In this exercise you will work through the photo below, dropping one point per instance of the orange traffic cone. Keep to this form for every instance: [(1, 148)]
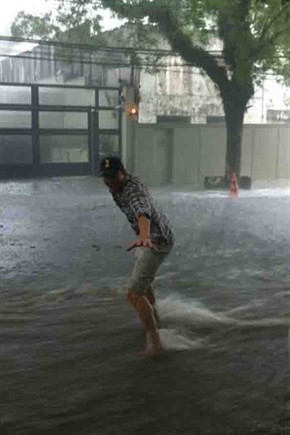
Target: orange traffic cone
[(234, 189)]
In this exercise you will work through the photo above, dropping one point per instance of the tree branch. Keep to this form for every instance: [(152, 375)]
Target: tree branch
[(271, 40), (268, 26), (233, 27), (244, 7), (179, 41), (196, 56), (276, 36)]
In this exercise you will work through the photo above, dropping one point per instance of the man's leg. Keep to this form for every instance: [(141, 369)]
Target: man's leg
[(147, 263), (146, 314), (151, 298)]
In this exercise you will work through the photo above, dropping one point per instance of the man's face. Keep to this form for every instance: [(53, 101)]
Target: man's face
[(115, 184)]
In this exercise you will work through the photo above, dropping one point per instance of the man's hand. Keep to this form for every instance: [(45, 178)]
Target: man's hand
[(144, 234), (141, 243)]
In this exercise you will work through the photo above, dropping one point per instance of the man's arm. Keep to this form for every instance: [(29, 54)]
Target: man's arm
[(141, 208), (144, 227), (144, 234)]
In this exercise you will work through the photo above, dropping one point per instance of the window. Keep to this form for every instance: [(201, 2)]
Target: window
[(15, 149), (64, 148)]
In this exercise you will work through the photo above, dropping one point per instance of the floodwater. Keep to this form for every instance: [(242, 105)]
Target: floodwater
[(70, 345)]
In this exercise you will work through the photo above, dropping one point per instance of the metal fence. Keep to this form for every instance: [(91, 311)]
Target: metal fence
[(57, 130)]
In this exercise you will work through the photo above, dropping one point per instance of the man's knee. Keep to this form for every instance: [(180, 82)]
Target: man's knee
[(133, 298), (150, 295)]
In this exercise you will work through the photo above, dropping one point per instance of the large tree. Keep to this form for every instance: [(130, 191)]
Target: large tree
[(255, 37)]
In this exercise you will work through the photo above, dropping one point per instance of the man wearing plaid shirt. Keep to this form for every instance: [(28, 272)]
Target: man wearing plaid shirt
[(155, 241)]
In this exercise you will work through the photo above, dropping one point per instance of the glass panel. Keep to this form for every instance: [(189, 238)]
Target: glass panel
[(109, 120), (66, 97), (108, 98), (109, 145), (70, 120), (15, 119), (15, 95), (113, 77), (15, 149), (64, 149)]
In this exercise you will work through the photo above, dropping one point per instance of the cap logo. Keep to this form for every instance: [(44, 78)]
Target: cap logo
[(107, 164)]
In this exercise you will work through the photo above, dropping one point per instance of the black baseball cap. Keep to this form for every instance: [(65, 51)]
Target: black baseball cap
[(110, 166)]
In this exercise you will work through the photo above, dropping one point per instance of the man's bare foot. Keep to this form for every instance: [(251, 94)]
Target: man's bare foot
[(152, 351), (153, 346)]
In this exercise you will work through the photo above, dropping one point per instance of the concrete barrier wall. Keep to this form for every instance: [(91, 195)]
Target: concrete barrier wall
[(184, 155)]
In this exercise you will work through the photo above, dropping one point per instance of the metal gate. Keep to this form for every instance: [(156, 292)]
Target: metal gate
[(55, 130)]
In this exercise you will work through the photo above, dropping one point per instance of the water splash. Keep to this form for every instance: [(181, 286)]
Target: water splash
[(172, 339), (179, 311), (189, 312)]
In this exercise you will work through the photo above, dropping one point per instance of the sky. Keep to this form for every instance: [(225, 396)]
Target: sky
[(12, 7)]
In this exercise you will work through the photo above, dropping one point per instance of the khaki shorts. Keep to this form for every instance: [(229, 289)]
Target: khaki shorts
[(146, 266)]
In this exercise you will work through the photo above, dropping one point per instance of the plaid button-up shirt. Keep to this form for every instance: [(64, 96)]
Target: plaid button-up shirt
[(135, 201)]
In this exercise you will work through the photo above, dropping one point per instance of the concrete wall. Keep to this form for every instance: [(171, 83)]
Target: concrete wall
[(152, 155), (184, 155)]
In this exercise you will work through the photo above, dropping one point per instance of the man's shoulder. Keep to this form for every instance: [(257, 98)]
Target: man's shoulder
[(133, 179), (134, 183)]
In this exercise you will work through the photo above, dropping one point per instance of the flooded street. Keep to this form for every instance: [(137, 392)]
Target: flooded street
[(70, 345)]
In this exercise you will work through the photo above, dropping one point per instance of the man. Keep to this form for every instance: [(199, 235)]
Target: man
[(155, 241)]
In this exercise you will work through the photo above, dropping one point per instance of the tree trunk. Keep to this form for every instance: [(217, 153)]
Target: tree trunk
[(234, 112), (235, 98), (234, 125)]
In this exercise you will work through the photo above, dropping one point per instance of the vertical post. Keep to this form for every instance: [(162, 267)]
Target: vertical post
[(35, 127), (91, 69), (130, 130), (91, 139), (278, 152), (134, 144), (96, 136), (253, 151), (120, 122), (199, 169), (263, 101), (170, 157), (125, 145)]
